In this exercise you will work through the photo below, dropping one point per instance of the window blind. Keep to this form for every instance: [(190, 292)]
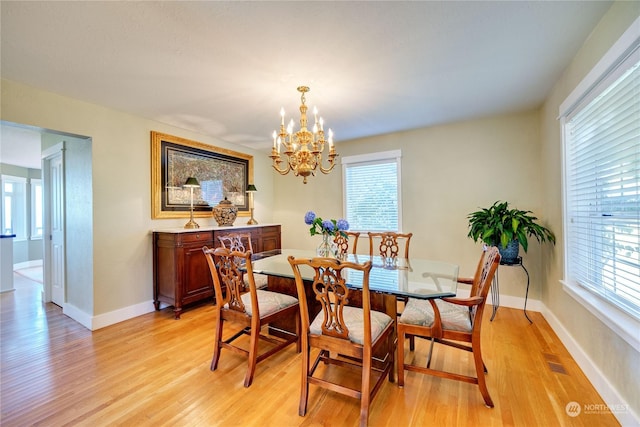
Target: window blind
[(602, 140), (372, 194)]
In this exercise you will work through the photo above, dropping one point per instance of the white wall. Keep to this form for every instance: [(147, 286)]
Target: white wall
[(448, 171), (610, 362), (121, 194)]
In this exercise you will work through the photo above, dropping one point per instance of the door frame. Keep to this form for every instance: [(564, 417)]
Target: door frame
[(47, 155)]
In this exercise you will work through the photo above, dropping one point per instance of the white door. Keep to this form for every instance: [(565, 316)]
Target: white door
[(54, 207)]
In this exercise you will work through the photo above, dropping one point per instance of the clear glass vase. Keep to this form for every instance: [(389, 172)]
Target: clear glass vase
[(327, 248)]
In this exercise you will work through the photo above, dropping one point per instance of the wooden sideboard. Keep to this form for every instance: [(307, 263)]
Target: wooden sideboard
[(180, 272)]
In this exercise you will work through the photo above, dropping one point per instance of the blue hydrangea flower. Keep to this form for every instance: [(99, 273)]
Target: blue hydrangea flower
[(342, 224), (309, 217), (327, 225)]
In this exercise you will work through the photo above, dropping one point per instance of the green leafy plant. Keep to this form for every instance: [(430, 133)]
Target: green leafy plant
[(499, 225)]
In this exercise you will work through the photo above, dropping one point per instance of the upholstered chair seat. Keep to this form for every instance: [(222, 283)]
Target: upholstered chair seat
[(420, 312), (268, 302), (354, 319), (262, 280)]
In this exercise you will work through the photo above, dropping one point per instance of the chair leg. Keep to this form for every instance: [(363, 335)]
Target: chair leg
[(365, 394), (392, 355), (412, 342), (253, 355), (430, 352), (217, 338), (298, 334), (304, 384), (400, 360), (480, 370)]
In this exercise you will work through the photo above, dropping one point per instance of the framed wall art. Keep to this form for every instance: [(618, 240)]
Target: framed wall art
[(220, 172)]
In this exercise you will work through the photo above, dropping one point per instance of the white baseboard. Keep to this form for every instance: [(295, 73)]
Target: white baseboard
[(117, 316), (107, 319), (616, 404), (27, 264), (518, 302), (506, 300), (78, 315)]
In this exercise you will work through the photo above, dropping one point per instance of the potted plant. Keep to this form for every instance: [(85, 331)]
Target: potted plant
[(507, 229)]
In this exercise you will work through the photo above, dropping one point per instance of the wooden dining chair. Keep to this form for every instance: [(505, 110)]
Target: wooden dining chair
[(344, 243), (450, 321), (346, 336), (389, 244), (251, 310), (241, 242)]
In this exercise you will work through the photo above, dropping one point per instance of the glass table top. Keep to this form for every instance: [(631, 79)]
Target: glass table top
[(413, 277)]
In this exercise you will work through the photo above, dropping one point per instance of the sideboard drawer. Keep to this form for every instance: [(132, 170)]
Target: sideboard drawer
[(199, 236)]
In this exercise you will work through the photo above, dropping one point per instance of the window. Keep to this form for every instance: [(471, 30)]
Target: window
[(371, 185), (36, 209), (602, 182), (14, 206)]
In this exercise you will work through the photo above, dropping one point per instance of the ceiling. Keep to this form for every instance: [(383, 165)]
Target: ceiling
[(225, 68)]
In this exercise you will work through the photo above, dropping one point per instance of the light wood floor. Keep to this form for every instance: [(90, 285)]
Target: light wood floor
[(154, 370)]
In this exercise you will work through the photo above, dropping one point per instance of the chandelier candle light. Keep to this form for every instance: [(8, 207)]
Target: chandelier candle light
[(303, 149)]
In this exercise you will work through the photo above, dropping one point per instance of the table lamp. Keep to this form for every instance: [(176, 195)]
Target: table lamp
[(191, 184), (251, 189)]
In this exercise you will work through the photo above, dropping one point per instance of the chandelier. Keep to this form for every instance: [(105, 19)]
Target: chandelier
[(303, 149)]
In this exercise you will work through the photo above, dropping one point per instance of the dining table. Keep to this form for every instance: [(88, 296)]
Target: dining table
[(390, 280)]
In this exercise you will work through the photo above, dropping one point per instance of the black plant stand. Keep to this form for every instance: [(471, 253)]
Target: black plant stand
[(495, 288)]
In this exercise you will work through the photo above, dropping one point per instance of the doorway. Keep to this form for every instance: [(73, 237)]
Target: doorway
[(65, 161)]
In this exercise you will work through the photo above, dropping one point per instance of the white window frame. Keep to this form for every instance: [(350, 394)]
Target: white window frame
[(19, 207), (383, 156), (34, 235), (621, 322)]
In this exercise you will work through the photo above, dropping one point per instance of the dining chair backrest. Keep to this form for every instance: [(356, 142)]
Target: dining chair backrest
[(239, 242), (485, 273), (346, 241), (330, 288), (228, 279), (389, 244)]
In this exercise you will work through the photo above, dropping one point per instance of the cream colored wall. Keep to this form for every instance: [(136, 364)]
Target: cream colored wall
[(121, 158), (617, 360), (447, 172)]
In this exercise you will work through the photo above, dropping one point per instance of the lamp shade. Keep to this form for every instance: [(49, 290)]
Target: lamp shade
[(251, 187), (191, 183)]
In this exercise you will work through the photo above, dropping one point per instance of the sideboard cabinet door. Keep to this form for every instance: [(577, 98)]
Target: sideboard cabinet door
[(180, 272), (270, 239)]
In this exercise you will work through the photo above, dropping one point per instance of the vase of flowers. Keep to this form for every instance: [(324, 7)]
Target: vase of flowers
[(328, 228)]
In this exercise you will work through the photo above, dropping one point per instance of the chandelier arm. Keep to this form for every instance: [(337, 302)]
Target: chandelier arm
[(281, 171), (327, 170), (277, 160)]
